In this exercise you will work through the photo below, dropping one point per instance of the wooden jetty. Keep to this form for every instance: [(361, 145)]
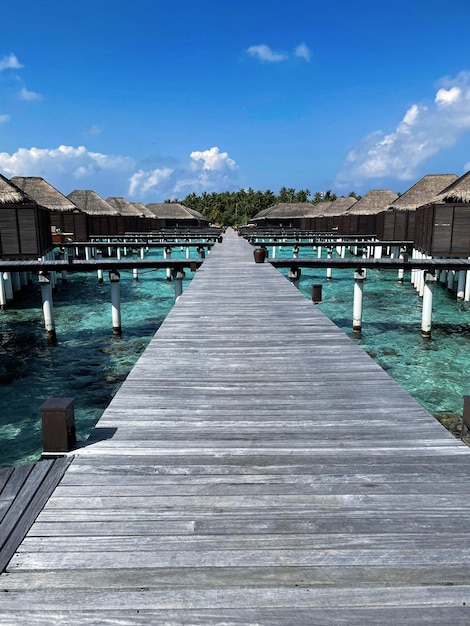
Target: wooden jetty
[(256, 467)]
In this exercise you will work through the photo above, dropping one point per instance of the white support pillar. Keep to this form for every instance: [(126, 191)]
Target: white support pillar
[(274, 252), (329, 270), (467, 287), (114, 278), (167, 255), (295, 252), (319, 252), (187, 252), (450, 280), (142, 253), (88, 253), (8, 285), (100, 276), (461, 285), (178, 276), (135, 273), (3, 295), (358, 296), (429, 282), (47, 306)]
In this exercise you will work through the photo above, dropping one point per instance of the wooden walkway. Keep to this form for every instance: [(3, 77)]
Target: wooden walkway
[(256, 467)]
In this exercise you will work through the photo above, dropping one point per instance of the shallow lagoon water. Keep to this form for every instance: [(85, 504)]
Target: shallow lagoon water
[(89, 362)]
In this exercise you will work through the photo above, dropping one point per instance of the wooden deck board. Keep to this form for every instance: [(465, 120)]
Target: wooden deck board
[(256, 466)]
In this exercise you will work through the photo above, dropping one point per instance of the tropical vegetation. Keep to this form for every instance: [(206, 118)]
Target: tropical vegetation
[(235, 208)]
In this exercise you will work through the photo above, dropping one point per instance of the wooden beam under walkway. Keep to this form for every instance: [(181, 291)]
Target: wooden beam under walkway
[(256, 466)]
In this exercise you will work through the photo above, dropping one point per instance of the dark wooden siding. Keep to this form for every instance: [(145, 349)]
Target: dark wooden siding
[(25, 231), (443, 230)]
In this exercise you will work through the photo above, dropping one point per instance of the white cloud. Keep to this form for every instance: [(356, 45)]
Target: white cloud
[(212, 159), (264, 53), (4, 118), (29, 96), (207, 170), (424, 131), (303, 52), (448, 96), (141, 182), (10, 62), (69, 168)]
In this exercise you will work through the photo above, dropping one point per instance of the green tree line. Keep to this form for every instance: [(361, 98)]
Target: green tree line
[(235, 208)]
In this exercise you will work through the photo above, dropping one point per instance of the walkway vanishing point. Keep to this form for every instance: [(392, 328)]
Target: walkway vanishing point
[(256, 467)]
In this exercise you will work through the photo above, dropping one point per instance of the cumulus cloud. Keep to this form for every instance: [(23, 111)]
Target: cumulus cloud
[(303, 52), (143, 181), (207, 170), (69, 168), (213, 159), (29, 96), (425, 130), (263, 52), (10, 62)]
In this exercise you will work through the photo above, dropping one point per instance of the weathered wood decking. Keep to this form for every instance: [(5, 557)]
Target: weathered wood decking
[(256, 467)]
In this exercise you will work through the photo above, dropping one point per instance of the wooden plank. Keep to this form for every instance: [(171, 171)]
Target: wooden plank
[(33, 493)]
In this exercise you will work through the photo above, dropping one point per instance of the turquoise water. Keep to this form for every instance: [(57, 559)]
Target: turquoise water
[(435, 371), (89, 362)]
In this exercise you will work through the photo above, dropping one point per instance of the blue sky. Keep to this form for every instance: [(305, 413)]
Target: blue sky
[(156, 99)]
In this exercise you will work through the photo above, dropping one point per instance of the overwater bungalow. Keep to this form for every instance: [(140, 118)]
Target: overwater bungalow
[(134, 221), (103, 219), (25, 226), (442, 226), (283, 215), (67, 220), (397, 222), (175, 215), (361, 217)]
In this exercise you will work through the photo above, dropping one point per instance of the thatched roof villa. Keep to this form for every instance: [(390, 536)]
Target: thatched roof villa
[(176, 215), (361, 217), (284, 214), (397, 222), (442, 227), (103, 219), (67, 220), (25, 227)]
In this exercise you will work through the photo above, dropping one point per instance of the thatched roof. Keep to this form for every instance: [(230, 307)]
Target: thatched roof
[(422, 192), (457, 191), (90, 202), (374, 201), (123, 207), (337, 207), (44, 193), (12, 194), (285, 210), (174, 211), (145, 211)]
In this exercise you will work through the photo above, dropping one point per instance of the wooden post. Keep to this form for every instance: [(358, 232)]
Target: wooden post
[(47, 306), (58, 425), (114, 278), (358, 294), (316, 294), (465, 417), (429, 281)]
